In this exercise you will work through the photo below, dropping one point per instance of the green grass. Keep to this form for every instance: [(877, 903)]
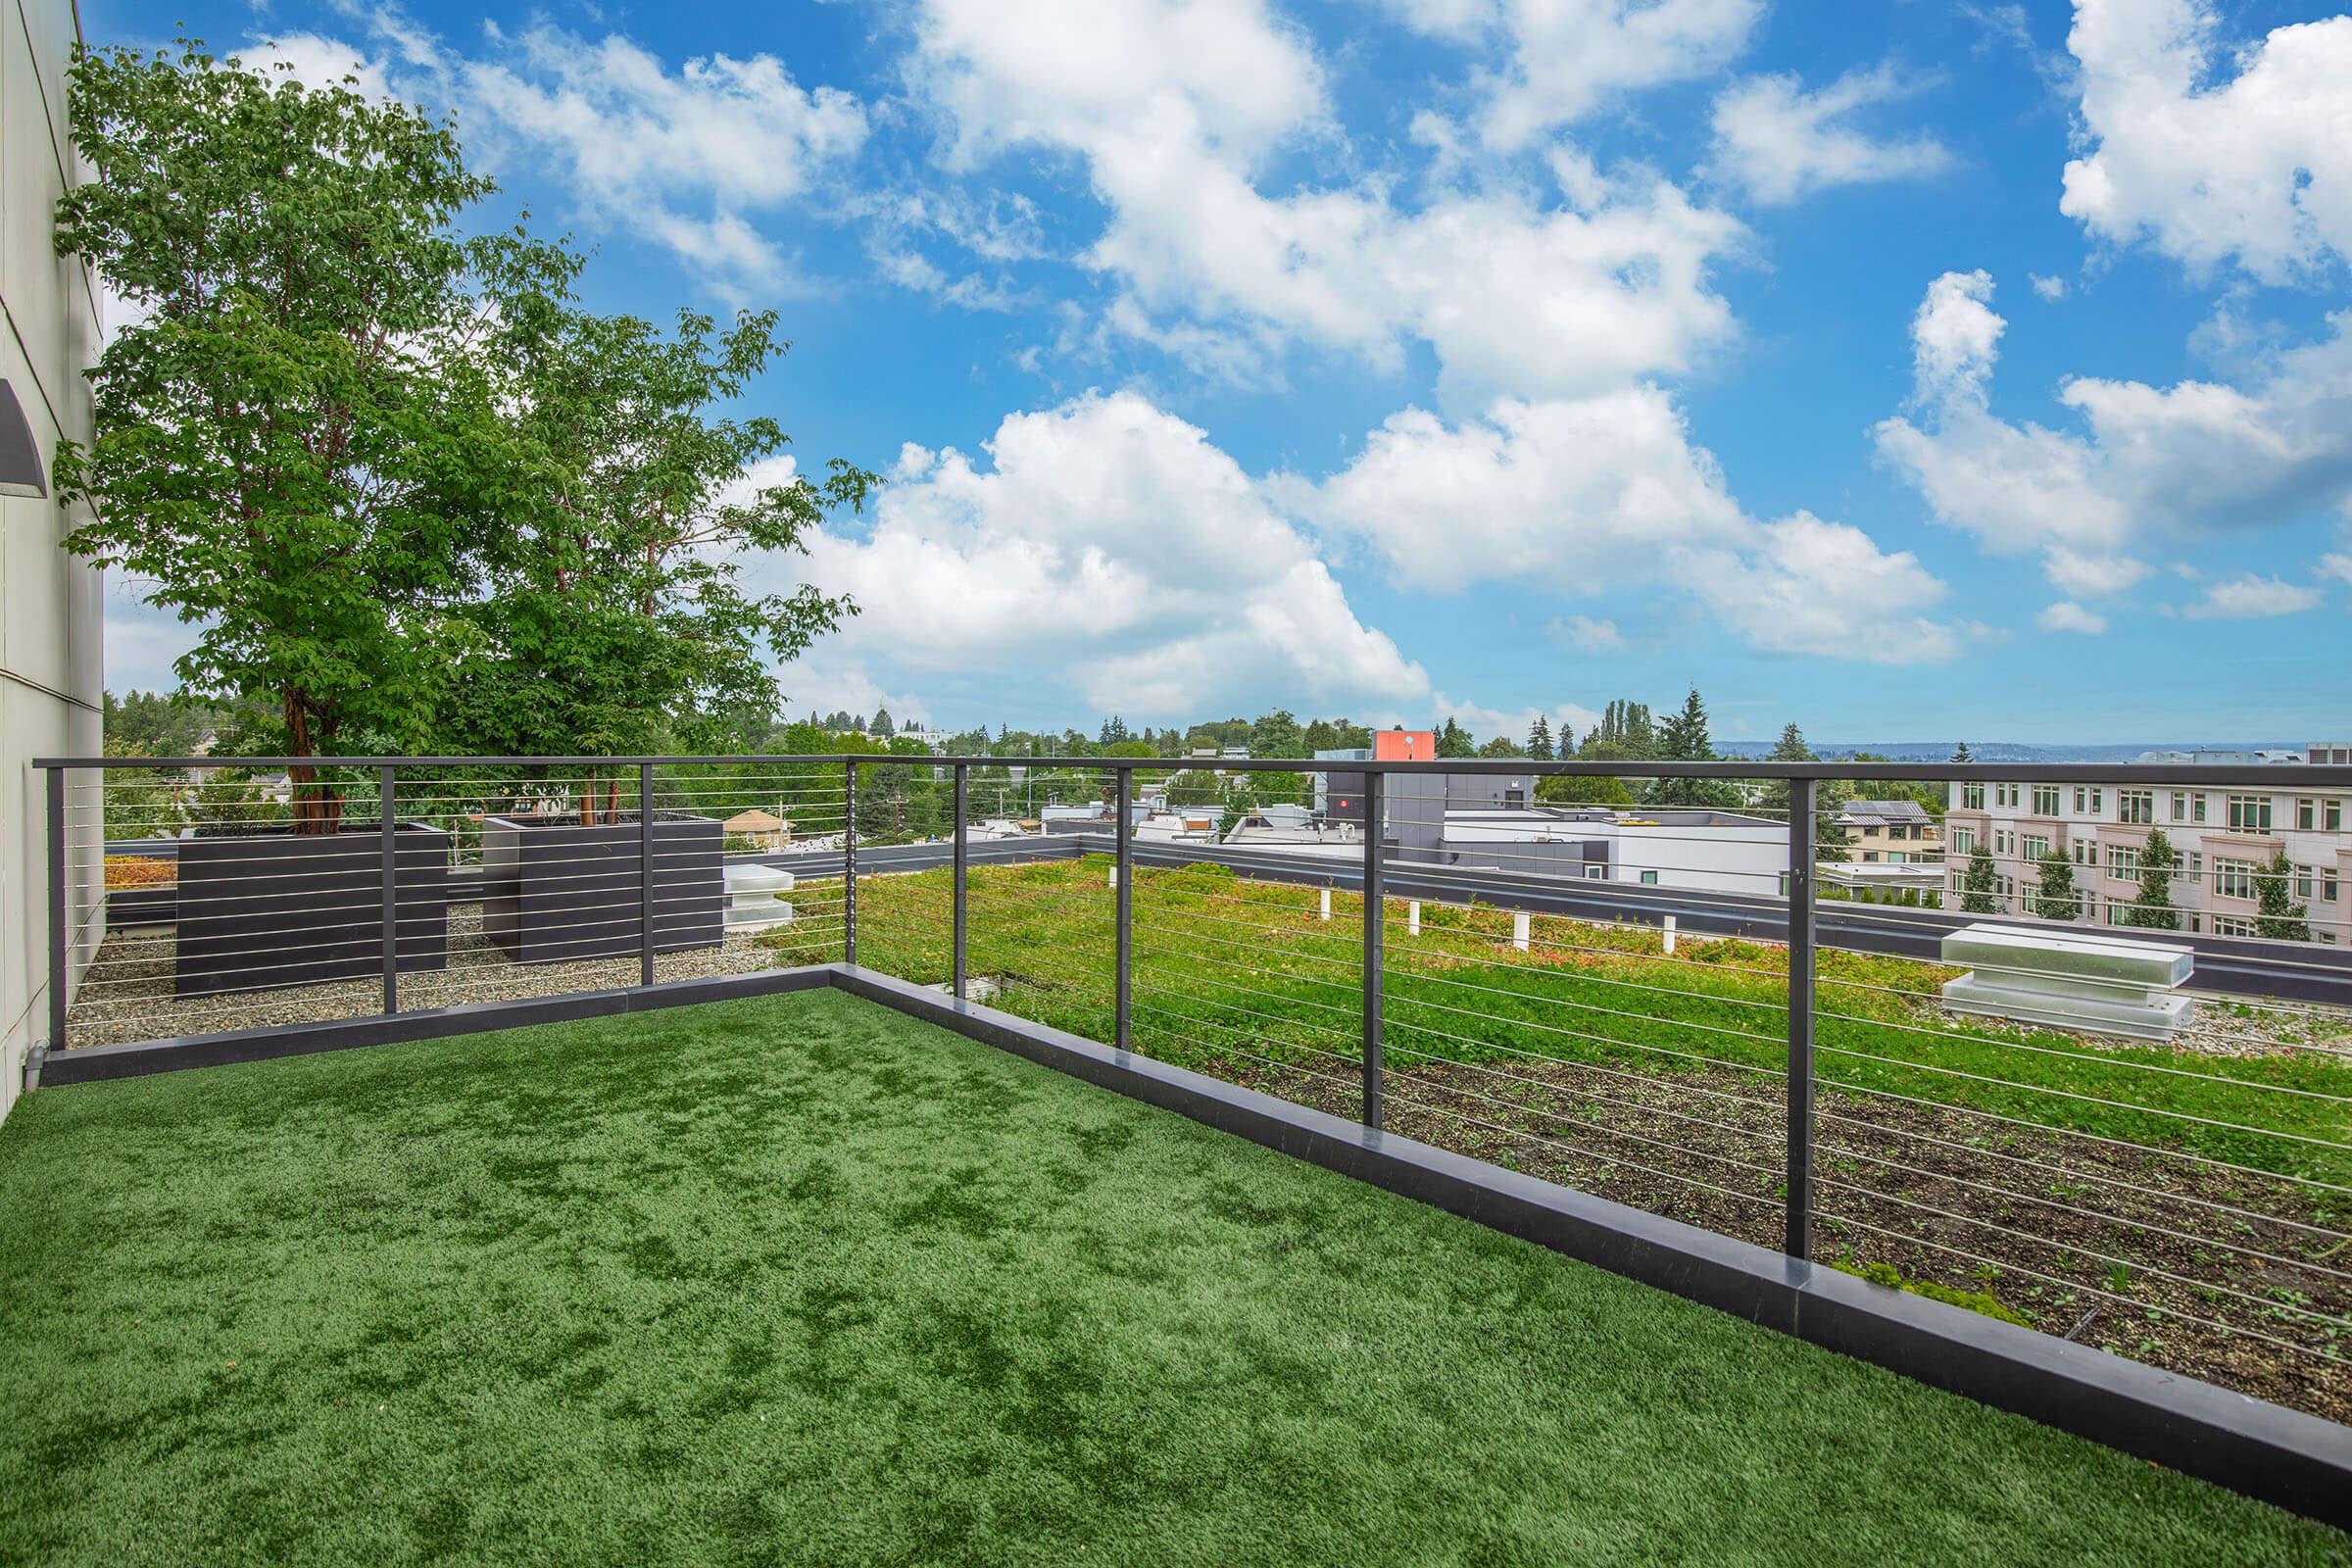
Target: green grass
[(1223, 960), (800, 1280)]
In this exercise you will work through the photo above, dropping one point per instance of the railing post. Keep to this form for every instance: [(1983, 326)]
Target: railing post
[(1123, 857), (1801, 801), (645, 868), (385, 819), (960, 879), (848, 862), (1374, 910), (59, 933)]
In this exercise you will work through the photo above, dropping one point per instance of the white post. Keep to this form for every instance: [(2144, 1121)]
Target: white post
[(1670, 935), (1412, 918), (1519, 921), (1115, 874), (1327, 904)]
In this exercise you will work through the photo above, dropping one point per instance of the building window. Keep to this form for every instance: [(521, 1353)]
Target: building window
[(2307, 878), (2307, 813), (2007, 794), (1971, 797), (2123, 862), (2045, 800), (2314, 816), (2037, 846), (2189, 805), (2250, 814), (2232, 879), (2228, 926), (1649, 880), (2136, 806), (2332, 815), (2086, 852)]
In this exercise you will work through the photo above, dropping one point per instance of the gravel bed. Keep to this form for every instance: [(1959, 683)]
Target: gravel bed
[(127, 996)]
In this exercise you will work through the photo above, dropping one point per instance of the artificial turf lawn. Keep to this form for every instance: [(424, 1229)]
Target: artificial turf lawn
[(798, 1279)]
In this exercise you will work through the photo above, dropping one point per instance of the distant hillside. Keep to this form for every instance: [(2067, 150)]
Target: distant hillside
[(2007, 750)]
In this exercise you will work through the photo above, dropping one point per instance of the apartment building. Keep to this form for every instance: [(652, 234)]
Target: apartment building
[(49, 600), (2221, 836)]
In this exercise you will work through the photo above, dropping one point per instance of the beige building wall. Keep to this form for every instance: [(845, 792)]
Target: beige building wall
[(49, 601)]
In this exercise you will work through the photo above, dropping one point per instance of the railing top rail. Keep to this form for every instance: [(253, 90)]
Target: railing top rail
[(2265, 776)]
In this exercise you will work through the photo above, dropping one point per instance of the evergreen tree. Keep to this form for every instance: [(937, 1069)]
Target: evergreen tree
[(1539, 739), (2152, 910), (2056, 899), (2278, 916), (1976, 884), (1684, 739), (1455, 741), (1961, 754), (883, 729)]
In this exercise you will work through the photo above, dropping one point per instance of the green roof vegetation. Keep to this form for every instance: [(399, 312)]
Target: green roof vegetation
[(800, 1280)]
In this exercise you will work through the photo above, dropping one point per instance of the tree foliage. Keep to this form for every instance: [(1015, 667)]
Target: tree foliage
[(1977, 887), (298, 438), (618, 609), (2055, 898), (2277, 916), (1684, 738), (2152, 910)]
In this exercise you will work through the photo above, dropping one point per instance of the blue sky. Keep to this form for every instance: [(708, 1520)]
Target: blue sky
[(1905, 369)]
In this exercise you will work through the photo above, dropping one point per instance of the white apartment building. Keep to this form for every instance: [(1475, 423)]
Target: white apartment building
[(2222, 835), (49, 600), (1664, 847)]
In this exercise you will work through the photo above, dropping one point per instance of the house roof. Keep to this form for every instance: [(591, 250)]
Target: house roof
[(754, 821), (1887, 811)]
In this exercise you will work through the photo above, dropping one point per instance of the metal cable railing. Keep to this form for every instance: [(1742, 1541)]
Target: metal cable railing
[(1750, 1052)]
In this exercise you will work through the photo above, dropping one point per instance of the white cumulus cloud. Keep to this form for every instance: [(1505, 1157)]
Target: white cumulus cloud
[(2067, 615), (2191, 461), (1177, 107), (1607, 494), (1782, 143), (1108, 545), (2255, 167), (2253, 597)]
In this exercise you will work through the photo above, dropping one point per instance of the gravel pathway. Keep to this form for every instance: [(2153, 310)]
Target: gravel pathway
[(127, 996)]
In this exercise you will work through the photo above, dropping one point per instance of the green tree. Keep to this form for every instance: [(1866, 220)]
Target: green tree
[(1539, 739), (618, 607), (1583, 789), (1193, 787), (2277, 916), (1455, 741), (1791, 748), (2152, 910), (1501, 746), (1277, 734), (2055, 899), (1684, 739), (1977, 884), (299, 439), (1961, 754), (883, 728)]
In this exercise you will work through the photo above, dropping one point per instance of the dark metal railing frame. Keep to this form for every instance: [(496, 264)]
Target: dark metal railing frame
[(1803, 778)]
